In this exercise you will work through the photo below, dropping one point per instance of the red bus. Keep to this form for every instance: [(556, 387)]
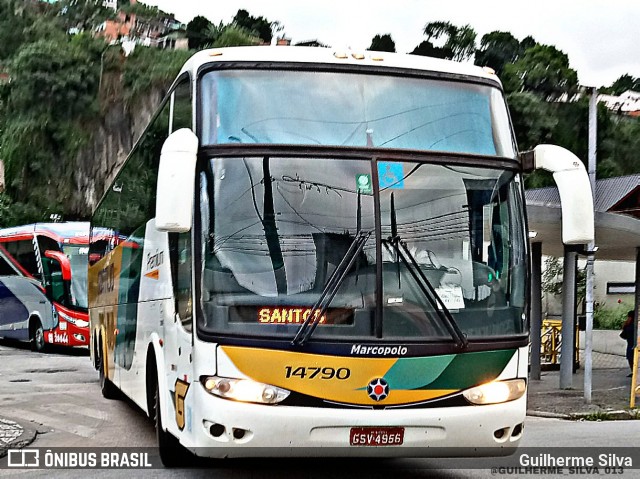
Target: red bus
[(43, 283)]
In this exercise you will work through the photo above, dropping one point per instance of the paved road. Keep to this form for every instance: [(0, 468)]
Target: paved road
[(57, 393)]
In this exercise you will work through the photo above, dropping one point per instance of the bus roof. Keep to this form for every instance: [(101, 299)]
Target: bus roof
[(56, 231), (308, 55)]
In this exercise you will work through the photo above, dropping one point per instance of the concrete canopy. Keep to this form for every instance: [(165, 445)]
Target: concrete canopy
[(617, 236)]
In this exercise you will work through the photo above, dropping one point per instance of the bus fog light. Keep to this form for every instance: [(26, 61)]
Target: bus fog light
[(496, 392), (244, 390)]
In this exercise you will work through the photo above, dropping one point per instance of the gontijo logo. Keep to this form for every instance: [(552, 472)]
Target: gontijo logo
[(154, 261)]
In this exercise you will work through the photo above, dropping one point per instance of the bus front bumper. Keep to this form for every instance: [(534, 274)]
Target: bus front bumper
[(223, 428)]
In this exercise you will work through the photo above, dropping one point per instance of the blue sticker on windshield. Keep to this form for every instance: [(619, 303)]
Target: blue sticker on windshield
[(390, 174)]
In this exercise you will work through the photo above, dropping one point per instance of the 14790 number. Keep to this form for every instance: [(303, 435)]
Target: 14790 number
[(312, 372)]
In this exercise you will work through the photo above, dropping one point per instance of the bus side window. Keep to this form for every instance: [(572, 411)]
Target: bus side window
[(24, 253), (181, 103), (6, 269), (180, 252), (53, 282)]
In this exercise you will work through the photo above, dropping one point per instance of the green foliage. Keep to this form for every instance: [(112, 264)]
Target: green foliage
[(82, 14), (382, 43), (145, 11), (533, 119), (552, 279), (621, 85), (196, 32), (255, 26), (610, 318), (544, 70), (147, 68), (11, 29), (56, 77), (459, 42), (497, 49), (234, 36)]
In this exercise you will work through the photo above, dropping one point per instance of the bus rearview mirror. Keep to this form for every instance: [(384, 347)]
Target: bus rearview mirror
[(176, 180)]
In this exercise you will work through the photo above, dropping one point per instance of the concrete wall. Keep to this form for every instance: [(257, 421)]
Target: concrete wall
[(604, 272), (606, 341)]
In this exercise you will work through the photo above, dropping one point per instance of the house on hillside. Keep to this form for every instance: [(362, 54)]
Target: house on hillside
[(163, 32), (628, 103), (614, 281)]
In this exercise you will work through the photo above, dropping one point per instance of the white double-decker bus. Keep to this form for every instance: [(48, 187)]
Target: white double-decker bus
[(314, 252)]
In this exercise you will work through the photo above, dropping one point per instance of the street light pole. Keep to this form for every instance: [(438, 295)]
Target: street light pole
[(588, 333)]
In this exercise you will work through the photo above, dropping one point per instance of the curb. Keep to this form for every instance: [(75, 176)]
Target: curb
[(619, 415), (14, 436), (551, 415)]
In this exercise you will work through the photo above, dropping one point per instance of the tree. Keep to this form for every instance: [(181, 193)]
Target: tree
[(427, 49), (623, 83), (544, 70), (256, 26), (83, 14), (533, 119), (382, 43), (459, 43), (197, 32), (497, 49), (11, 29), (552, 279), (234, 36)]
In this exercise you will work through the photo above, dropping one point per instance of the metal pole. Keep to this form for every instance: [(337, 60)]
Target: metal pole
[(536, 308), (588, 331), (568, 319), (634, 375), (588, 336)]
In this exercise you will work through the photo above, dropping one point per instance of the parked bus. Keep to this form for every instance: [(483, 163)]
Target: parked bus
[(43, 284), (314, 252)]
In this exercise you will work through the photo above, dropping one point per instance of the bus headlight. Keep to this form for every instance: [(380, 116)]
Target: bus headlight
[(81, 323), (496, 392), (244, 390)]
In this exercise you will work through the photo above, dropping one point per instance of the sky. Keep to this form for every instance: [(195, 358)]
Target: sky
[(601, 37)]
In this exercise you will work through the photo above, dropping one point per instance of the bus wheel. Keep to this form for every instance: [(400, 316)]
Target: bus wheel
[(172, 453), (108, 389), (37, 335)]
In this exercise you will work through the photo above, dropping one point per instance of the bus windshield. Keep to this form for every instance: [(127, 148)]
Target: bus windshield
[(275, 229), (78, 256), (348, 109)]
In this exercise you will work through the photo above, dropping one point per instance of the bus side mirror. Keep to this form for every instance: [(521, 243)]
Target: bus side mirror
[(176, 182), (63, 261), (574, 187)]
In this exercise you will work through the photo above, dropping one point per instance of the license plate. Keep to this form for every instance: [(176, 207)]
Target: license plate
[(376, 436)]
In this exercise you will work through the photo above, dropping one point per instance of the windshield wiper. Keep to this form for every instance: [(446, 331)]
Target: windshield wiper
[(424, 284), (331, 289)]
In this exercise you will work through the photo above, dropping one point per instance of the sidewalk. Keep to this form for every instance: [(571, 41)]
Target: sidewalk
[(610, 392), (14, 435)]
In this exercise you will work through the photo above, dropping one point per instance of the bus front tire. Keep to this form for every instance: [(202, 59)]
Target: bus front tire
[(172, 453), (37, 336)]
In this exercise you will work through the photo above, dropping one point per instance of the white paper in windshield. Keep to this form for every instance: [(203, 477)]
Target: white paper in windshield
[(451, 296)]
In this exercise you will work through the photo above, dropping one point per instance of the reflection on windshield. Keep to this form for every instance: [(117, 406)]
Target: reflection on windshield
[(321, 108), (78, 257), (276, 229)]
